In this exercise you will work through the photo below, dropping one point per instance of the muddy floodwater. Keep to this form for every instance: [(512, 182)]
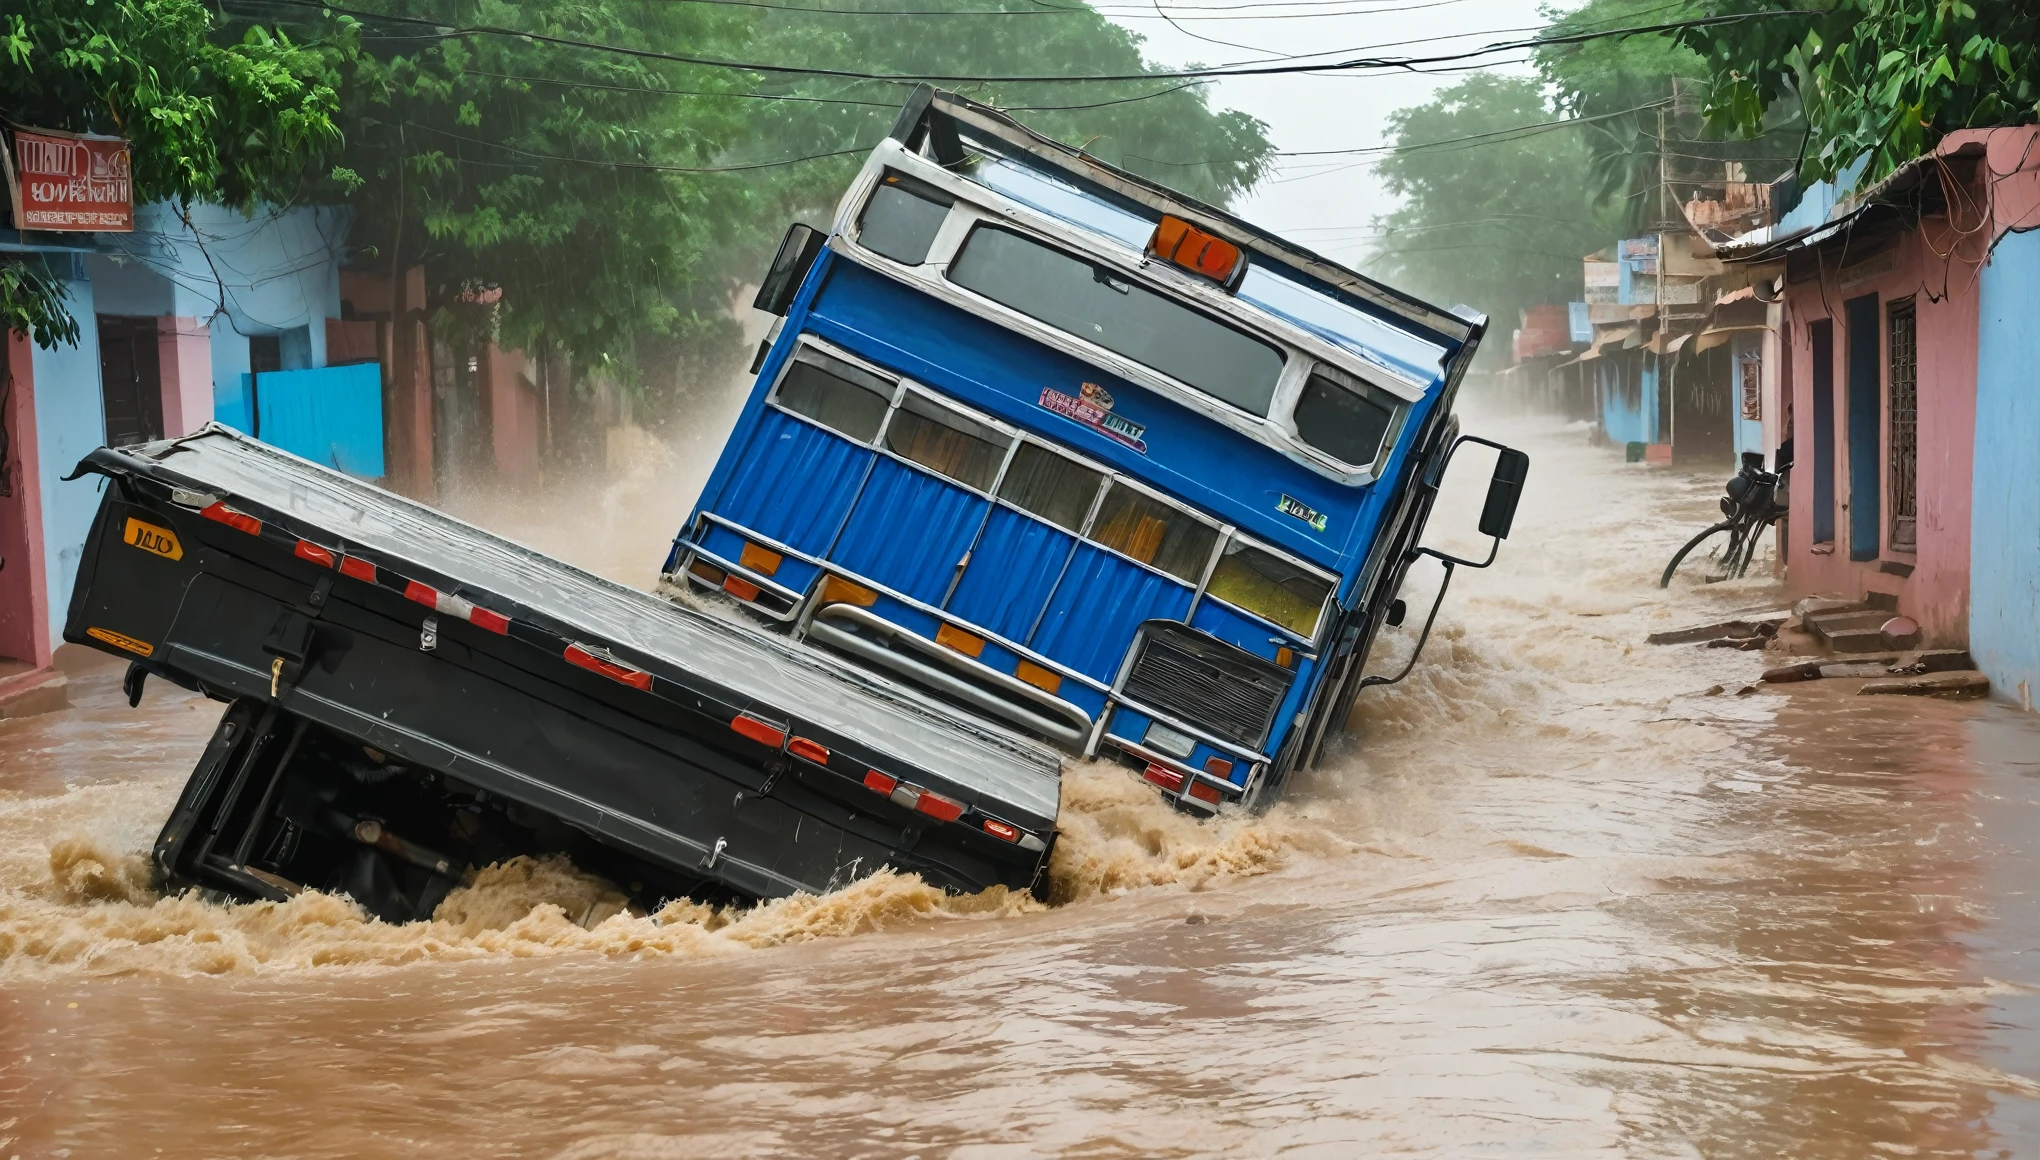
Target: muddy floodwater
[(1559, 895)]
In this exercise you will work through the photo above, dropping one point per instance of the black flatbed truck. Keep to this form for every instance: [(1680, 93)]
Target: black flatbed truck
[(411, 698)]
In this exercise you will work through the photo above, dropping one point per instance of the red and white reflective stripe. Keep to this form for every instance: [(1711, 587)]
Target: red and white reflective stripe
[(358, 568), (585, 657), (239, 521), (436, 600), (926, 801), (454, 606), (880, 782), (808, 750), (306, 550)]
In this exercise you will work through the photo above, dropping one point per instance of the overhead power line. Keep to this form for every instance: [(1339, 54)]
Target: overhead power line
[(1294, 65)]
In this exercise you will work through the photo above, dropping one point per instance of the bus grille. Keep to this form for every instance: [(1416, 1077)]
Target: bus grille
[(1226, 691)]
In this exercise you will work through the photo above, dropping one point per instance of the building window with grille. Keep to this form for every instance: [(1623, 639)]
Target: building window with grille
[(1903, 404), (1750, 381)]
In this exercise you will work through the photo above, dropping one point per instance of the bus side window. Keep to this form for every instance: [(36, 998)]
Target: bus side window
[(901, 219), (1154, 533), (946, 442), (1348, 423), (1270, 587), (835, 394), (1050, 486)]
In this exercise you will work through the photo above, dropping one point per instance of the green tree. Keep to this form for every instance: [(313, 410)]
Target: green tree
[(233, 113), (551, 180), (1623, 89), (1494, 214), (1164, 130), (1880, 80)]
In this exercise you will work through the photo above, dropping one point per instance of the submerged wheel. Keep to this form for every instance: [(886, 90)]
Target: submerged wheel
[(1679, 557)]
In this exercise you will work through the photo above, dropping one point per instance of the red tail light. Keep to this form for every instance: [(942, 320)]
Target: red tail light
[(813, 751), (239, 521), (940, 808), (1218, 767), (581, 656), (1165, 777), (1203, 792), (763, 732), (740, 588), (1001, 830)]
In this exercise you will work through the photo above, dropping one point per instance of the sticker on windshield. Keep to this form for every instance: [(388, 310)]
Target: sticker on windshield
[(1094, 410), (1302, 511)]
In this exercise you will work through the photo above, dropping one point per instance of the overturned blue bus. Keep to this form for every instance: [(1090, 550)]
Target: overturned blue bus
[(1046, 442), (1040, 455)]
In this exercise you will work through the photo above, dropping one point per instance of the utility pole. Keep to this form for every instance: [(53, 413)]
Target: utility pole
[(1671, 409)]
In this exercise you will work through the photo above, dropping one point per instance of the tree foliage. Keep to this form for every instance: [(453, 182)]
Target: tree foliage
[(1881, 80), (595, 199), (228, 115), (549, 179), (1494, 215)]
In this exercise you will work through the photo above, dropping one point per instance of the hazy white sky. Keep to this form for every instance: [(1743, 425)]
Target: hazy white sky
[(1324, 203)]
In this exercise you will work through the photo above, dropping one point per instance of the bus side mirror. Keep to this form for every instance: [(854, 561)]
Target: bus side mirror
[(790, 265), (1498, 514)]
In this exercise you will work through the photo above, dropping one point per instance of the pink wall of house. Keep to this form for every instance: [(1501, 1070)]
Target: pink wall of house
[(1934, 264), (514, 412), (24, 599), (184, 360)]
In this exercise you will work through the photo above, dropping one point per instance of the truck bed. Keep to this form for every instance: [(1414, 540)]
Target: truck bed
[(396, 672)]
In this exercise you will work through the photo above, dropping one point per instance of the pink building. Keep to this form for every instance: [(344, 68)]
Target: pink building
[(1878, 329)]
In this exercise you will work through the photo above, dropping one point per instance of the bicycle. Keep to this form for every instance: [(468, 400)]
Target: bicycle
[(1755, 501)]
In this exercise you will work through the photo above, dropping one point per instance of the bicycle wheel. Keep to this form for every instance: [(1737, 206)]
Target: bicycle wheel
[(1750, 545), (1679, 557)]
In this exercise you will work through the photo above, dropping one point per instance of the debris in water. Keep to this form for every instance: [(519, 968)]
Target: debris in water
[(1956, 684)]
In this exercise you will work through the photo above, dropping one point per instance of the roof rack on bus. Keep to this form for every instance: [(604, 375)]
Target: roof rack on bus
[(936, 119)]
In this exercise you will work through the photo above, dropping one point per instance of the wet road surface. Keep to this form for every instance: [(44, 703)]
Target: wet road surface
[(1554, 898)]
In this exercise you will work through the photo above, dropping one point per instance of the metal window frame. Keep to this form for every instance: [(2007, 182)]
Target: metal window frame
[(1332, 582), (1398, 415), (1104, 475), (1902, 443), (809, 341)]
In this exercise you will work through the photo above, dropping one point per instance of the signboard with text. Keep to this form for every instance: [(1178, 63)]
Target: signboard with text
[(69, 182)]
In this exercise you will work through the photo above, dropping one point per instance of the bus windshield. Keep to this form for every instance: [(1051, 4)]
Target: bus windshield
[(1089, 301)]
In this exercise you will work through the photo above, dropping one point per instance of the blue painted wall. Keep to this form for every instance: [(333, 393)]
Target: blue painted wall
[(276, 271), (2004, 573), (1629, 404), (70, 422), (332, 416)]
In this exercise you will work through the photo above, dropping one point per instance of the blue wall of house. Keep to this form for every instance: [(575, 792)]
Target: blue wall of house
[(70, 422), (2004, 573), (273, 273), (1629, 404)]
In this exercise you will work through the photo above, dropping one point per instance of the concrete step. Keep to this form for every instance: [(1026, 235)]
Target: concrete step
[(28, 693), (1857, 640), (1824, 625), (1807, 606), (1959, 683)]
